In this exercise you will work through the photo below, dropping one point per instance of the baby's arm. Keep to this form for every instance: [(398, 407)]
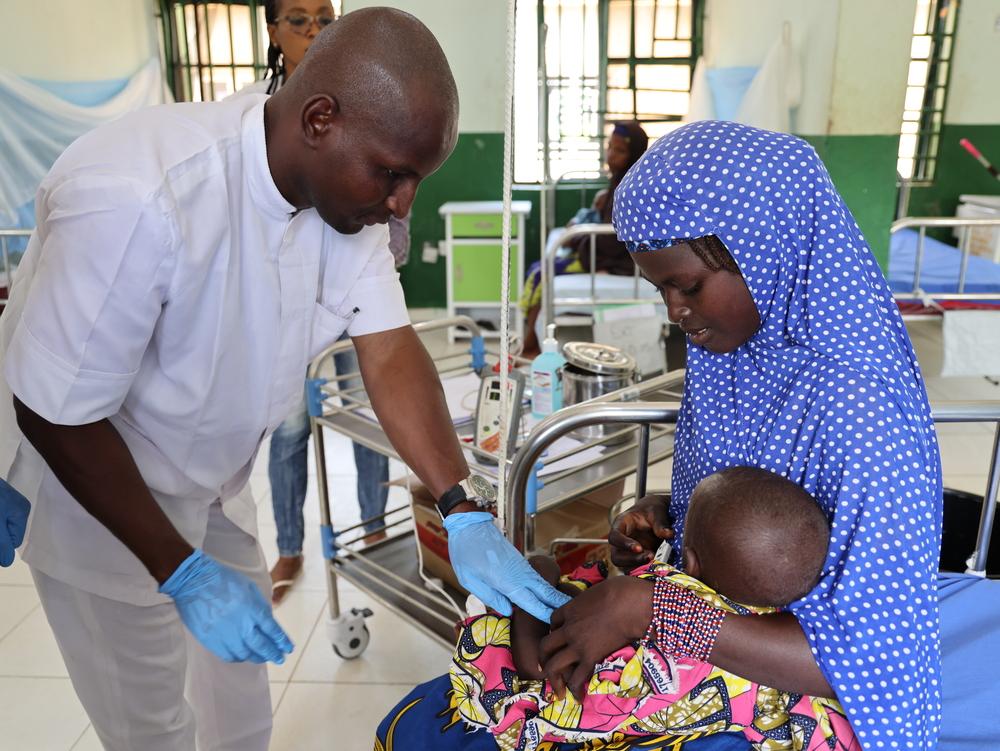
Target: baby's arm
[(526, 631)]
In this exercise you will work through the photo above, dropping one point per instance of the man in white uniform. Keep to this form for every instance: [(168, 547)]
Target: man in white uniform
[(189, 260)]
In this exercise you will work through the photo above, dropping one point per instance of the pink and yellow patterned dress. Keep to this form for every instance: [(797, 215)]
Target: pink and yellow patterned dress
[(637, 691)]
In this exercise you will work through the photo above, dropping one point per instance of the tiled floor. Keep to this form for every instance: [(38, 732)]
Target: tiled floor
[(321, 701)]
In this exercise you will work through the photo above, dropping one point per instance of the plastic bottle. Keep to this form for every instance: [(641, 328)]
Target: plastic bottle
[(546, 376)]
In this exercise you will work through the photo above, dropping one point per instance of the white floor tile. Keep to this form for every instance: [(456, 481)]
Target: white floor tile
[(39, 714), (298, 615), (277, 693), (397, 653), (260, 486), (30, 650), (88, 741), (17, 574), (17, 603), (323, 716)]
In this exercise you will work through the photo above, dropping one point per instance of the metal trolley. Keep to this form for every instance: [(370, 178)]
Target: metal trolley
[(390, 570)]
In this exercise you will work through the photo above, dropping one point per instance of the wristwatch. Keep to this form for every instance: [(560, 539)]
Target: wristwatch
[(474, 488)]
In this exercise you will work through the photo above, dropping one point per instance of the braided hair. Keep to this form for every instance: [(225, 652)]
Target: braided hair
[(275, 59), (713, 253)]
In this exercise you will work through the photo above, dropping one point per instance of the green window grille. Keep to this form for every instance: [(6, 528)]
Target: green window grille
[(213, 49), (603, 60), (931, 52)]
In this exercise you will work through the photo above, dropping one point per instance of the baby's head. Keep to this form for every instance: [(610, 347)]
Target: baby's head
[(755, 537)]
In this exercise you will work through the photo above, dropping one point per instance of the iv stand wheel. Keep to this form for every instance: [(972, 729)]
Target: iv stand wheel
[(349, 634)]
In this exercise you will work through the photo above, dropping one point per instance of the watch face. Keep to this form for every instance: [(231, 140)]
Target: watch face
[(482, 487)]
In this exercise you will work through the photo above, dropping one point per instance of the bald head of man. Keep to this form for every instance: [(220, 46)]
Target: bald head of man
[(370, 112)]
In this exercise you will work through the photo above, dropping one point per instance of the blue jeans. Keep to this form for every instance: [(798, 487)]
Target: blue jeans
[(287, 471)]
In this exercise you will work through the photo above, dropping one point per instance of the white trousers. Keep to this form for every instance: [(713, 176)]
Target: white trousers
[(145, 682)]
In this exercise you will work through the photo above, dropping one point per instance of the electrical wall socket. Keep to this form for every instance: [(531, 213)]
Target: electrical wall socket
[(430, 253)]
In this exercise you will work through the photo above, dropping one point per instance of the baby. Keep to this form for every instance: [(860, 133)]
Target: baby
[(754, 542)]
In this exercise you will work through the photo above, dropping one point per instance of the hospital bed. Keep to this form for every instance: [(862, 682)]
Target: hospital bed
[(577, 295), (391, 570), (926, 275), (12, 243)]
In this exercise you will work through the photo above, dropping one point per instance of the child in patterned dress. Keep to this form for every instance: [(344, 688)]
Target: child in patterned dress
[(754, 542)]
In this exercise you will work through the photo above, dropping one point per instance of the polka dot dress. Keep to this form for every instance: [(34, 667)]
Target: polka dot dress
[(827, 393)]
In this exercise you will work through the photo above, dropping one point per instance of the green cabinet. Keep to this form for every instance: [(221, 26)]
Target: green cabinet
[(476, 273), (473, 250)]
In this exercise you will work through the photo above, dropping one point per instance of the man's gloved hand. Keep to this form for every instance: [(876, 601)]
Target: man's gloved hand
[(491, 568), (226, 611), (14, 510)]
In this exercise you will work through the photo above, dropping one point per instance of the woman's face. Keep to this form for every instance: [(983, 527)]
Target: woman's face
[(297, 27), (714, 308), (617, 155)]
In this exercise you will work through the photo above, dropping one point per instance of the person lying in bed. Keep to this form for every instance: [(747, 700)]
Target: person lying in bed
[(754, 543), (626, 144)]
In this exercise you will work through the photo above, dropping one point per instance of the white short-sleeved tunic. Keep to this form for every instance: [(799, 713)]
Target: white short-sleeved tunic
[(171, 288)]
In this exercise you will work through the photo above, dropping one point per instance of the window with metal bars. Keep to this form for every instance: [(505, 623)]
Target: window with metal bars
[(601, 61), (213, 49), (931, 51)]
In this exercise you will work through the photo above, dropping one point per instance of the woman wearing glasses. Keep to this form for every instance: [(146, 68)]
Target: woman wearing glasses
[(291, 27)]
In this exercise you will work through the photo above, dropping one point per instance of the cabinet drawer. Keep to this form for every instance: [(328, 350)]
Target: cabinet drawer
[(482, 225), (476, 273)]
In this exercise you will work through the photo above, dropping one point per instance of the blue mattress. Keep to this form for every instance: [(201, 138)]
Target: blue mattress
[(941, 266)]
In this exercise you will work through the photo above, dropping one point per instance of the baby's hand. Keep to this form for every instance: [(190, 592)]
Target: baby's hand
[(637, 533)]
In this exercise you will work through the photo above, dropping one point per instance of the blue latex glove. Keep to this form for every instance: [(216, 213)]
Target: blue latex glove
[(226, 611), (491, 568), (14, 510)]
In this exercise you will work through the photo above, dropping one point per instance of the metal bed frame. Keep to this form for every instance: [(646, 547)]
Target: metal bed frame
[(548, 281), (389, 570), (647, 414), (550, 301), (7, 277), (965, 226)]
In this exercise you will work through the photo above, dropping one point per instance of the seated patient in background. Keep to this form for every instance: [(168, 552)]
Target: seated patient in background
[(754, 542)]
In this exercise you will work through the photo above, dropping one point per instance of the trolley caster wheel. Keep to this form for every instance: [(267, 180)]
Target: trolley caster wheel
[(348, 634)]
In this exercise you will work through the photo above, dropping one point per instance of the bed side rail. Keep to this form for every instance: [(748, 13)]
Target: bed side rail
[(549, 272), (647, 413), (6, 266), (965, 226)]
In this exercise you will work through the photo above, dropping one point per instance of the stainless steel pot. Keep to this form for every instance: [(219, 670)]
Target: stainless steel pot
[(594, 370)]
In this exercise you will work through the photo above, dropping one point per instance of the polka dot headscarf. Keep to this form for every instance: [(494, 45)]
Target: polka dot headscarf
[(826, 393)]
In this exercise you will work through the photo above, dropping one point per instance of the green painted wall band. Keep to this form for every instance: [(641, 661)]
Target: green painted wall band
[(863, 169)]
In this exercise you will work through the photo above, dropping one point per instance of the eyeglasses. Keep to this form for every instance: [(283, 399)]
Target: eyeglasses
[(301, 22)]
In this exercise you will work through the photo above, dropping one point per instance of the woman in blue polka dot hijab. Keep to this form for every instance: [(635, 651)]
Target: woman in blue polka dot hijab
[(798, 362), (817, 381)]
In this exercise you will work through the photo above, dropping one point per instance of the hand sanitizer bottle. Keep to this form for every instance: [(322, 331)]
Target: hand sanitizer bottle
[(546, 376)]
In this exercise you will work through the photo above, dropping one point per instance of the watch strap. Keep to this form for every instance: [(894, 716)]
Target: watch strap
[(450, 498)]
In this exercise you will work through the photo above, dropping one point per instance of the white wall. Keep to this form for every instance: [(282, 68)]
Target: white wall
[(872, 60), (740, 33), (76, 40), (974, 96), (472, 34)]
